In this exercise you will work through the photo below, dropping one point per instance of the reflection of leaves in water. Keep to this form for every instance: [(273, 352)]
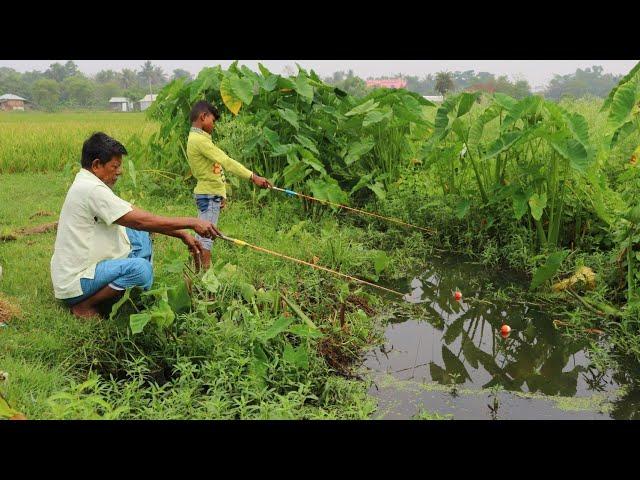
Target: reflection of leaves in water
[(535, 353), (454, 329)]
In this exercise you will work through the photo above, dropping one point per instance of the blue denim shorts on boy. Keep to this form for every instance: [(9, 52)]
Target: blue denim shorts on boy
[(120, 274), (208, 209)]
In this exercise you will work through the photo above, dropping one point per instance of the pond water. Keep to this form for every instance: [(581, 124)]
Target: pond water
[(453, 361)]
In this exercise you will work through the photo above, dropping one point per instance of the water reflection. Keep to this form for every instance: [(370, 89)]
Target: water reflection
[(460, 343)]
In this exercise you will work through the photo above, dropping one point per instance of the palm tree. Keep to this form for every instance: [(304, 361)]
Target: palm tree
[(128, 78)]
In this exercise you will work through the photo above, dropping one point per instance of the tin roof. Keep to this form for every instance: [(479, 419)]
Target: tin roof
[(9, 96), (149, 98)]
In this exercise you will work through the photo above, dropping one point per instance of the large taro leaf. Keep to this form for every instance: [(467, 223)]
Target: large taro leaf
[(229, 97), (519, 199), (307, 143), (502, 143), (376, 116), (363, 108), (572, 150), (138, 321), (633, 74), (466, 102), (328, 190), (548, 270), (358, 149), (210, 281), (295, 173), (242, 88), (477, 127), (179, 299), (303, 87), (309, 159), (622, 104), (380, 261), (378, 189), (537, 203), (290, 116)]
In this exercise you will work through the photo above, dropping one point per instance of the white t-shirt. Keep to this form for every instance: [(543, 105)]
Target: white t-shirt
[(86, 233)]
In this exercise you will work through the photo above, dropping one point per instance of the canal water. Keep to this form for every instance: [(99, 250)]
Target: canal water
[(448, 359)]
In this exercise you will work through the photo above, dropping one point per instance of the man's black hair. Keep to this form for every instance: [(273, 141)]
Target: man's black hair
[(100, 146), (202, 106)]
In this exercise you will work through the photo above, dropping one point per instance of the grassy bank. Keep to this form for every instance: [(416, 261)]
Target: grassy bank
[(203, 365)]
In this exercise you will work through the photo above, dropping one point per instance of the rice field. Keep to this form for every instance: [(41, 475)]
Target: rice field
[(40, 142)]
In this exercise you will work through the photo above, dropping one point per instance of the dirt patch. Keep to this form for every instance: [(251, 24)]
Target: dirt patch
[(7, 310), (21, 232)]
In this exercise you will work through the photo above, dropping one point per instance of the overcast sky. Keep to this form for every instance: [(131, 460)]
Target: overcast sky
[(537, 72)]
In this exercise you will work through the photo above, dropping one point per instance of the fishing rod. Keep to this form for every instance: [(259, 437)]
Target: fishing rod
[(242, 243), (291, 193)]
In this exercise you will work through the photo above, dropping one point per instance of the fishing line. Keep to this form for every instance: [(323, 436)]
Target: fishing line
[(242, 243), (364, 212)]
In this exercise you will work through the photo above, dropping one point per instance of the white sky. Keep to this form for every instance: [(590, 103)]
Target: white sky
[(537, 72)]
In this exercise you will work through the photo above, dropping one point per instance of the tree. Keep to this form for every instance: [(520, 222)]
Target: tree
[(128, 78), (180, 73), (444, 82), (57, 72), (348, 82), (151, 75), (11, 82), (71, 69), (105, 91), (77, 91), (46, 93), (590, 81), (106, 76)]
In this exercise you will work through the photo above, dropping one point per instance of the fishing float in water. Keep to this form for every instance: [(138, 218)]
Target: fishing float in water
[(242, 243), (291, 193)]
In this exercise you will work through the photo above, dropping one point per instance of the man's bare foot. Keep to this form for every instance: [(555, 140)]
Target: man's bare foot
[(85, 312)]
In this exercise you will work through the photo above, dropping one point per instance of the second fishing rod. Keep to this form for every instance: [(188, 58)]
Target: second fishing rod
[(291, 193)]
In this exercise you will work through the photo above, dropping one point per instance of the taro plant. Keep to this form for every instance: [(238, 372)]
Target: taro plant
[(307, 135)]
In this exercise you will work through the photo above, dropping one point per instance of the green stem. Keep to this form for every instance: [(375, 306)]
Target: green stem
[(483, 194)]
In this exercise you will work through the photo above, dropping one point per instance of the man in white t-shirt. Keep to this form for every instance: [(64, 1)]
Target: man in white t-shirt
[(102, 245)]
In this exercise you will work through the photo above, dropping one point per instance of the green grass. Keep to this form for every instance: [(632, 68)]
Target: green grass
[(40, 142), (49, 352)]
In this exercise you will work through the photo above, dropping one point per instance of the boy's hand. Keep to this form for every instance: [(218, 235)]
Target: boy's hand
[(194, 246), (205, 228), (260, 181)]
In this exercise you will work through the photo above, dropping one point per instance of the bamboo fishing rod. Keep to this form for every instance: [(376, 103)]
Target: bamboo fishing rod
[(242, 243), (326, 202)]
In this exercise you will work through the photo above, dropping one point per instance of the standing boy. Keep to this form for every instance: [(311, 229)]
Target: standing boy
[(207, 164)]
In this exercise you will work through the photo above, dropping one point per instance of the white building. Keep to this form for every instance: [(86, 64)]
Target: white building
[(434, 98), (147, 100), (120, 104)]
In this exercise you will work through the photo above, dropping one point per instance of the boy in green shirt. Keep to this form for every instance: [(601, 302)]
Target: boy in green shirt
[(207, 164)]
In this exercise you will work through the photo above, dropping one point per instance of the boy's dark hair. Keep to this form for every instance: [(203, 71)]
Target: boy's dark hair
[(100, 146), (203, 106)]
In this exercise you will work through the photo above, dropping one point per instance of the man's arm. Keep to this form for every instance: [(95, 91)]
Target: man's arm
[(216, 155), (142, 220)]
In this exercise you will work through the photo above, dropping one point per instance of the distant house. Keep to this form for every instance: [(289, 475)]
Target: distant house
[(388, 83), (147, 101), (120, 104), (9, 102), (434, 98)]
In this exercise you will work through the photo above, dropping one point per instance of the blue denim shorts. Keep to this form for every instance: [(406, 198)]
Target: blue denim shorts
[(208, 209), (120, 274)]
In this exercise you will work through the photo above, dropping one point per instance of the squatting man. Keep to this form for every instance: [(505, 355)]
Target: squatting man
[(102, 244)]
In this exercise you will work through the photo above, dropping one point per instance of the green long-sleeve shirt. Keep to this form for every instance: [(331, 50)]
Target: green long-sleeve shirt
[(208, 163)]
